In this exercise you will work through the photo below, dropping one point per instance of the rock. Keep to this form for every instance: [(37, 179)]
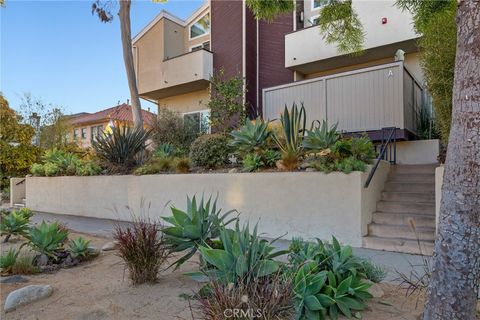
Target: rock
[(280, 165), (234, 170), (376, 291), (13, 279), (93, 252), (310, 170), (42, 260), (109, 246), (27, 295)]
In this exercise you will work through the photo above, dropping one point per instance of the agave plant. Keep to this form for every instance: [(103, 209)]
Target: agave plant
[(321, 137), (251, 137), (15, 223), (66, 162), (244, 256), (289, 139), (47, 238), (164, 150), (195, 227), (79, 247), (322, 293), (121, 148)]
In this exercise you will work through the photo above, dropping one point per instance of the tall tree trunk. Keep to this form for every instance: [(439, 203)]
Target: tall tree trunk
[(126, 32), (453, 289)]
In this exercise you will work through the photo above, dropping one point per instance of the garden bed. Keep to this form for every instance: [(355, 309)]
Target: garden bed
[(306, 204), (100, 289)]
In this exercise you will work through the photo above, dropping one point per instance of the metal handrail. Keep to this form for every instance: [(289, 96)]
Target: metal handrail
[(20, 182), (382, 155)]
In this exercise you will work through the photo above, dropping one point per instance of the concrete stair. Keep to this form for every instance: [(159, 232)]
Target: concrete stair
[(408, 202)]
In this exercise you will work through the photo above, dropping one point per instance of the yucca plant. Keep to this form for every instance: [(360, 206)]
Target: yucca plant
[(244, 256), (197, 226), (289, 139), (15, 223), (321, 137), (7, 260), (78, 247), (121, 149), (47, 238), (251, 137)]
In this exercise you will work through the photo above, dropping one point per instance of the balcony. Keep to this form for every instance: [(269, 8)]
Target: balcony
[(178, 75), (386, 28)]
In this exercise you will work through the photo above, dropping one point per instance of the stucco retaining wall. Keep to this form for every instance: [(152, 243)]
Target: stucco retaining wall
[(307, 204), (17, 191), (418, 151)]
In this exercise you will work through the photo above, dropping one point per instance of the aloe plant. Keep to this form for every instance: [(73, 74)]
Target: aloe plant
[(244, 256), (321, 137), (7, 260), (251, 137), (15, 223), (47, 238), (197, 226)]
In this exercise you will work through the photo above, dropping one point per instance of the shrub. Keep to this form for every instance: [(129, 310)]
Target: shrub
[(197, 226), (25, 264), (350, 164), (7, 260), (182, 165), (156, 165), (47, 239), (251, 137), (252, 162), (79, 247), (289, 139), (15, 223), (121, 150), (171, 129), (51, 169), (59, 162), (142, 248), (226, 104), (37, 169), (210, 151), (264, 298), (244, 257)]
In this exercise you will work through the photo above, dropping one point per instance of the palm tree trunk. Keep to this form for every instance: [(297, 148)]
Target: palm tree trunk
[(124, 14), (454, 283)]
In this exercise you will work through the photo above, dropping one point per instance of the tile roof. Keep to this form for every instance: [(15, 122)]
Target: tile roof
[(122, 112)]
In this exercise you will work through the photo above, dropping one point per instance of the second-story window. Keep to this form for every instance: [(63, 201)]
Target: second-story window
[(205, 45), (200, 27)]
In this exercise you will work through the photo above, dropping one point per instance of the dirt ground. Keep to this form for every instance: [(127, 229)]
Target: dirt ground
[(100, 289)]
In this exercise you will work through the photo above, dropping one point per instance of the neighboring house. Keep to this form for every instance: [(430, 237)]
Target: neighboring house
[(286, 61), (87, 126)]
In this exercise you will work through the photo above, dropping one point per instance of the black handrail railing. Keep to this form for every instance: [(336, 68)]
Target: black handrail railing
[(390, 156), (20, 182)]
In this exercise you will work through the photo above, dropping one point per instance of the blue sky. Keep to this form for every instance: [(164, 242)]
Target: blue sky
[(61, 53)]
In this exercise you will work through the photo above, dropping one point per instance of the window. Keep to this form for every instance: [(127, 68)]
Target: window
[(199, 120), (75, 134), (95, 131), (205, 45), (317, 4), (84, 133), (200, 27)]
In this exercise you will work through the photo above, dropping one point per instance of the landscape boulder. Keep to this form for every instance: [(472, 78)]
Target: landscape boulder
[(27, 295)]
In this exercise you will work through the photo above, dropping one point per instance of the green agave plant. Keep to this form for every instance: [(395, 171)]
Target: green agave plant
[(164, 150), (15, 223), (195, 227), (293, 130), (322, 293), (251, 137), (252, 162), (47, 238), (321, 137), (244, 256), (79, 247)]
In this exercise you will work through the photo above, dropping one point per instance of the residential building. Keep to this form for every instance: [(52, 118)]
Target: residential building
[(87, 126), (175, 58)]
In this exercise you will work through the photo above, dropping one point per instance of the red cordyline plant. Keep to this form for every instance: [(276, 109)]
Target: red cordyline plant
[(142, 247)]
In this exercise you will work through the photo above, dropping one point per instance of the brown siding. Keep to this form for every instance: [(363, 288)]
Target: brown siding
[(226, 36), (272, 54)]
